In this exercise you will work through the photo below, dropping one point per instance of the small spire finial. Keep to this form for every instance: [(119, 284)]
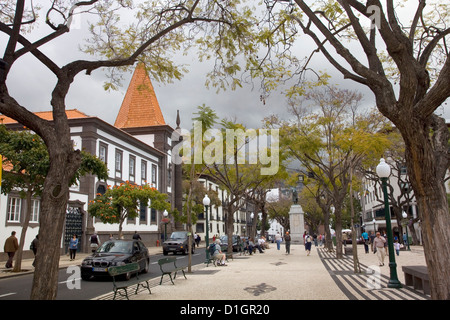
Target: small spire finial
[(178, 119)]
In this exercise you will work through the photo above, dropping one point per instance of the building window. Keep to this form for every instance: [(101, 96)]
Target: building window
[(154, 175), (101, 189), (132, 167), (103, 152), (14, 207), (200, 227), (153, 216), (142, 213), (35, 209), (118, 165), (143, 172)]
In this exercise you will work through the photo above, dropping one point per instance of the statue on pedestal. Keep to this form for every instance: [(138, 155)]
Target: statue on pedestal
[(294, 196)]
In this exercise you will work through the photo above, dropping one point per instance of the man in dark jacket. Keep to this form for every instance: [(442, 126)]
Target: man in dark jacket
[(11, 246), (34, 246)]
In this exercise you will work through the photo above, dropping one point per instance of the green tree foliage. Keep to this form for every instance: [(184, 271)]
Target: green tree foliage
[(279, 210), (398, 50), (155, 32), (330, 140), (123, 201)]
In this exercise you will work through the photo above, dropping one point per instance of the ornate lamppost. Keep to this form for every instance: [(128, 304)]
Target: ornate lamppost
[(250, 234), (383, 172), (165, 220), (404, 215), (206, 202)]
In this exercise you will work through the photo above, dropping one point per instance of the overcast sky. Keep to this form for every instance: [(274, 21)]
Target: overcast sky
[(31, 84)]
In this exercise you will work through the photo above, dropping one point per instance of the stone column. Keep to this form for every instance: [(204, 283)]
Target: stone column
[(297, 222)]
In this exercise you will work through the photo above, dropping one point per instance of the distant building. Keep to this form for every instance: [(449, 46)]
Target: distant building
[(217, 214), (373, 211), (136, 148)]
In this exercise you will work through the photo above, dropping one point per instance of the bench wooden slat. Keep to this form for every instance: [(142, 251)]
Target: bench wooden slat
[(121, 270)]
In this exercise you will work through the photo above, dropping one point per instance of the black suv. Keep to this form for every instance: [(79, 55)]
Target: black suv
[(178, 242)]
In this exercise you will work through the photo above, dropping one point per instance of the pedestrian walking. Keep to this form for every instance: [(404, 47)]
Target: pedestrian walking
[(315, 239), (73, 246), (10, 247), (405, 239), (365, 237), (33, 247), (397, 247), (287, 240), (378, 248), (371, 238), (197, 239), (278, 240), (344, 238), (136, 236), (95, 242), (308, 243), (385, 244)]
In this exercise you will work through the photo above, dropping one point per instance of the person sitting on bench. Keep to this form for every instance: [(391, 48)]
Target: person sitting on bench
[(253, 245), (218, 254)]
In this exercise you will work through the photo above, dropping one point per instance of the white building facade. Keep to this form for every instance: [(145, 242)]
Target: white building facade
[(127, 159)]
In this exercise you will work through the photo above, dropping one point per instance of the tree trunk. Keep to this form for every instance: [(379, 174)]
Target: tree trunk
[(412, 232), (339, 251), (427, 164), (356, 267), (328, 239), (230, 226), (63, 164), (26, 222)]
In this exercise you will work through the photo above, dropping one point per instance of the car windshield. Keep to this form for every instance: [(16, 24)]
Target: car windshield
[(224, 239), (178, 235), (116, 247)]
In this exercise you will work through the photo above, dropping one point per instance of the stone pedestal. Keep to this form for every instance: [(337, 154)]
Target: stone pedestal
[(297, 223)]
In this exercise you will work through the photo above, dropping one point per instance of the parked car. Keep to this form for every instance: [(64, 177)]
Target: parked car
[(359, 240), (178, 242), (115, 253), (224, 243)]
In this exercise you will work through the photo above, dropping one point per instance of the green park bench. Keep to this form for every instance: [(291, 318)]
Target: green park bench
[(162, 265), (125, 272)]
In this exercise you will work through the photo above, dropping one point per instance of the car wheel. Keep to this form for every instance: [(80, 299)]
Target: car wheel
[(147, 263), (127, 276), (165, 252), (185, 251)]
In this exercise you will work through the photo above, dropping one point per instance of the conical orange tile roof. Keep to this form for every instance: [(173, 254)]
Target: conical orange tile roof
[(140, 108)]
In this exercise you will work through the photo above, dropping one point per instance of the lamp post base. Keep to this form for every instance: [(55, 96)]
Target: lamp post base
[(394, 284), (393, 281)]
